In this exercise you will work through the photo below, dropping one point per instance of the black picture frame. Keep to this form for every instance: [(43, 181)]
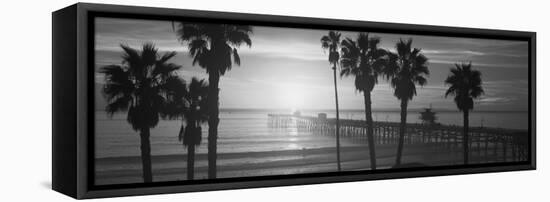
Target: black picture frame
[(73, 92)]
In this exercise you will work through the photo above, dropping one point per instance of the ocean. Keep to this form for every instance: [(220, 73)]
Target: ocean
[(247, 146), (248, 131)]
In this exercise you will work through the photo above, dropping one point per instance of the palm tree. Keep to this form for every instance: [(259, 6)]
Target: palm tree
[(332, 43), (364, 60), (214, 48), (140, 86), (405, 69), (465, 85), (195, 114), (190, 104)]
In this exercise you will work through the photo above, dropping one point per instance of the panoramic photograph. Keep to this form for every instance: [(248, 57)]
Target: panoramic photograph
[(180, 101)]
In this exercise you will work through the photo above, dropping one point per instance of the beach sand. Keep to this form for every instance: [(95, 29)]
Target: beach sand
[(123, 170)]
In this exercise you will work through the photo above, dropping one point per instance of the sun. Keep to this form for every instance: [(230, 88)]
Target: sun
[(292, 97)]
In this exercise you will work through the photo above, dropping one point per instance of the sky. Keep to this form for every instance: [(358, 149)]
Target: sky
[(286, 68)]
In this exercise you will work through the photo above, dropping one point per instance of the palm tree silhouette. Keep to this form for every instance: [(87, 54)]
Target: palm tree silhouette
[(214, 48), (332, 43), (190, 104), (140, 86), (405, 69), (465, 85), (364, 60)]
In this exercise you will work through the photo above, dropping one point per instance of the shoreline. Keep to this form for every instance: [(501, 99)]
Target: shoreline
[(426, 146), (248, 164)]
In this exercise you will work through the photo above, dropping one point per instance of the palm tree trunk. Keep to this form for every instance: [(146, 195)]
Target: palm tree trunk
[(465, 140), (213, 121), (190, 161), (370, 135), (337, 121), (146, 155), (402, 129)]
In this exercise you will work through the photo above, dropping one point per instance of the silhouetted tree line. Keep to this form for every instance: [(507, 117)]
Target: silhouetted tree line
[(404, 69), (147, 87)]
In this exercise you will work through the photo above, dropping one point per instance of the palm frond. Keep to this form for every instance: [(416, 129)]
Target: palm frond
[(165, 69), (167, 56), (363, 41), (363, 59), (143, 85), (149, 54), (132, 58), (115, 74), (120, 104), (238, 35), (190, 31), (236, 57), (406, 68), (465, 85), (325, 42), (213, 46), (181, 133)]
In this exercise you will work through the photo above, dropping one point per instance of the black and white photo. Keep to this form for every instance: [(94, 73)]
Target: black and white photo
[(184, 100)]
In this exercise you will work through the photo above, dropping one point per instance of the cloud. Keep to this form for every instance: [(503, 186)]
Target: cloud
[(489, 100), (477, 64), (453, 52), (288, 58)]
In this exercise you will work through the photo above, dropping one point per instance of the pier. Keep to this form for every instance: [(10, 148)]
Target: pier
[(485, 144)]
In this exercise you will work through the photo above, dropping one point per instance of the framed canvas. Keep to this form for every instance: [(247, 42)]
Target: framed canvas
[(155, 100)]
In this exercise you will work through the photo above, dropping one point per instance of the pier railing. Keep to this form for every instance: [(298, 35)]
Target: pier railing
[(486, 144)]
